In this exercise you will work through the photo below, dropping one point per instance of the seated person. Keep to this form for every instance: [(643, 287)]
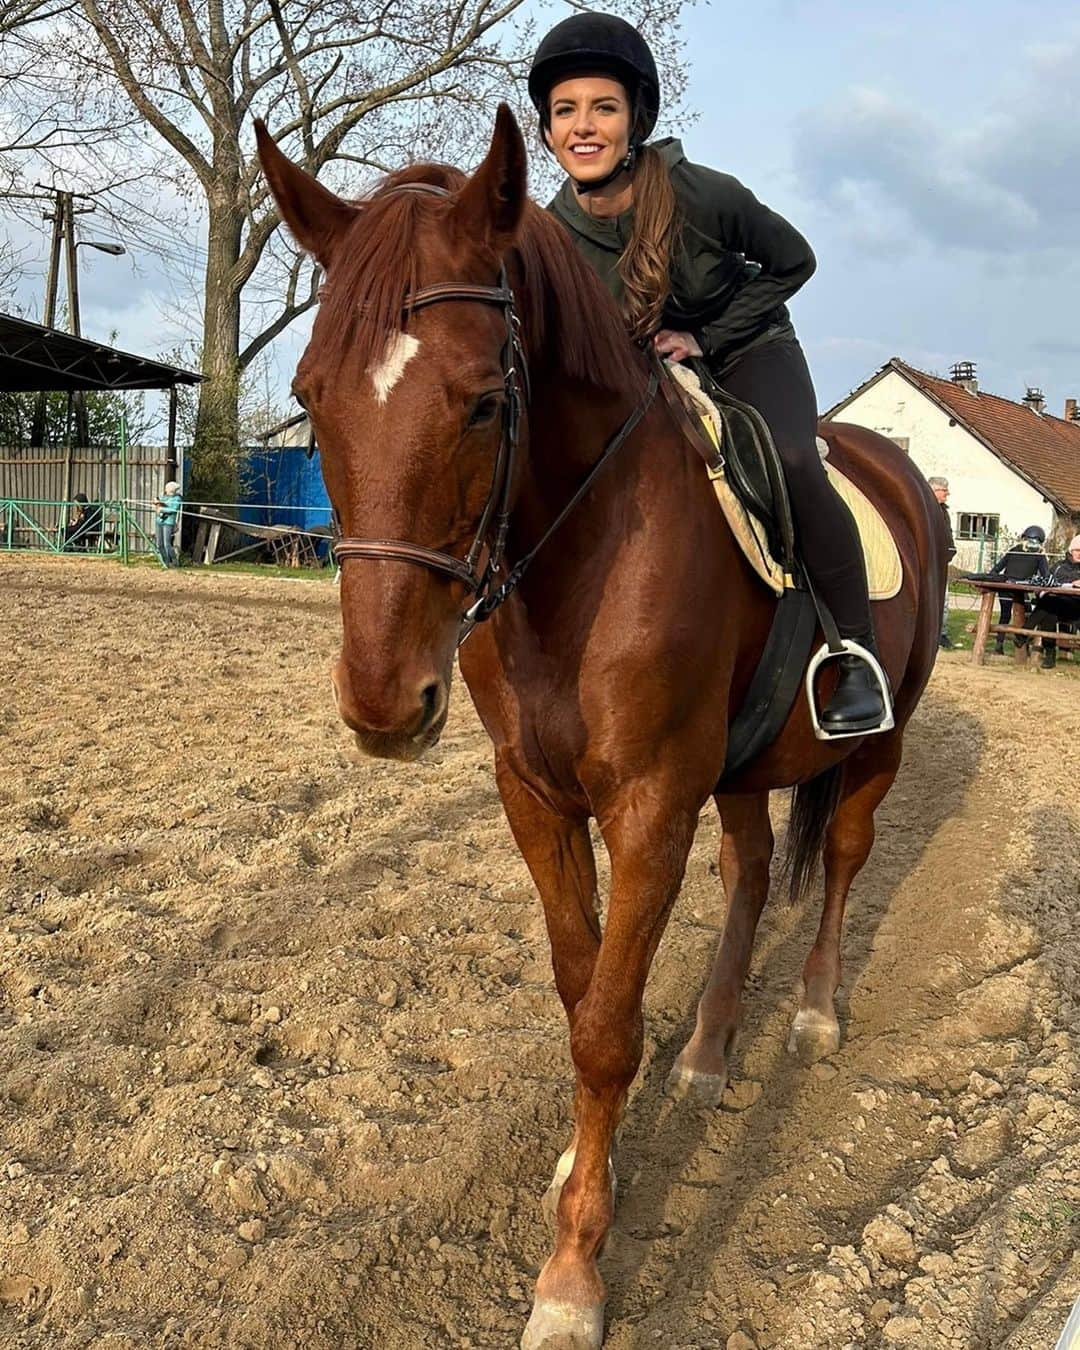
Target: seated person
[(83, 529), (1025, 561), (1051, 609)]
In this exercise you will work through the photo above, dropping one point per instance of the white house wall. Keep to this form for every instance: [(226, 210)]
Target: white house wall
[(979, 482), (300, 434)]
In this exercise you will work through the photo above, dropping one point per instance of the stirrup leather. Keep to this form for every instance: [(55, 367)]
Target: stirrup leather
[(851, 648)]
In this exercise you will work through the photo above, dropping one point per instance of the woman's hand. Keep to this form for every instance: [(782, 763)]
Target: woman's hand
[(676, 346)]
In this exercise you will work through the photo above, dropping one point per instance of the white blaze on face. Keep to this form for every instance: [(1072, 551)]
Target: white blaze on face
[(400, 350)]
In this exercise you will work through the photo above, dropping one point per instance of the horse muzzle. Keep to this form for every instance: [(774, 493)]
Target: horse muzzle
[(398, 721)]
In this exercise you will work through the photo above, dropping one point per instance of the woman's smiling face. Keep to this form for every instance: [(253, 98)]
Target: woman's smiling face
[(589, 125)]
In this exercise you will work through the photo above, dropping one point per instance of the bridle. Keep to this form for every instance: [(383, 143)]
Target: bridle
[(495, 516)]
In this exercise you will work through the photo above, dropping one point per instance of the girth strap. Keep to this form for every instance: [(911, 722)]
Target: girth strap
[(775, 683)]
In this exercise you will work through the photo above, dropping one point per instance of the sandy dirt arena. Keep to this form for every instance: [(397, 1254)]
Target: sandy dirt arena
[(282, 1064)]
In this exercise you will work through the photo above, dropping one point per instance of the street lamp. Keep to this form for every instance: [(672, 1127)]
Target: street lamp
[(102, 246), (78, 403)]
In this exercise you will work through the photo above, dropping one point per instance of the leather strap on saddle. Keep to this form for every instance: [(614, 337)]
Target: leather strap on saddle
[(687, 417), (747, 458), (775, 684)]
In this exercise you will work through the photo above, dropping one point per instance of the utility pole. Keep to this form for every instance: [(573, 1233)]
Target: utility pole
[(82, 426), (63, 233), (58, 218)]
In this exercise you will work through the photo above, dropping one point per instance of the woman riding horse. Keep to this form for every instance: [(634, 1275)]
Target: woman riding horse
[(701, 269), (469, 380)]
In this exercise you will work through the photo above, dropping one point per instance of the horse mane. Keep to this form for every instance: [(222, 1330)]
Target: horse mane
[(570, 322)]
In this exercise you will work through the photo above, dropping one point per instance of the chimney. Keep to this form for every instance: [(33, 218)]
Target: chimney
[(1034, 399), (963, 374), (1072, 413)]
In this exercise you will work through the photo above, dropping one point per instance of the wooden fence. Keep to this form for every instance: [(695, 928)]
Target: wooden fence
[(45, 482)]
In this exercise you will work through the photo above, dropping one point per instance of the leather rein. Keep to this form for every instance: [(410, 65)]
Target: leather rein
[(495, 516)]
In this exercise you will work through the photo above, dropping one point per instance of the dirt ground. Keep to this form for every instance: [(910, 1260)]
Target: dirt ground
[(281, 1063)]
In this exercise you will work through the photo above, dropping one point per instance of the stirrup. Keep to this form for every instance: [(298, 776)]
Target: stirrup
[(851, 648)]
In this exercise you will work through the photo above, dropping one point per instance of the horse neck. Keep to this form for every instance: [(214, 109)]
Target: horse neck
[(642, 503)]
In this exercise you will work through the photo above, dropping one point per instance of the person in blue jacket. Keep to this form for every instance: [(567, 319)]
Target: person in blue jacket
[(168, 517)]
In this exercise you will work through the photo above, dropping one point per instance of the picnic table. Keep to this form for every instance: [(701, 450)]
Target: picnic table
[(984, 627)]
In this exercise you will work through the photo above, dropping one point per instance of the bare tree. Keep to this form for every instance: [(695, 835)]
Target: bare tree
[(16, 14), (351, 89)]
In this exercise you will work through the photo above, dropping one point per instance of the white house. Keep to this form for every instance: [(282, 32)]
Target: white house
[(1009, 465), (294, 431)]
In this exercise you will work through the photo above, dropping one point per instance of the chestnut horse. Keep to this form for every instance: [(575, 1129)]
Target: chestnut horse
[(607, 680)]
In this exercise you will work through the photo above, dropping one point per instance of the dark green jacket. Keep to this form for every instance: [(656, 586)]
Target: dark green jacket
[(736, 264)]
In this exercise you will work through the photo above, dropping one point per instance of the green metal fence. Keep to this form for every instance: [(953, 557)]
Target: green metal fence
[(43, 525), (119, 482)]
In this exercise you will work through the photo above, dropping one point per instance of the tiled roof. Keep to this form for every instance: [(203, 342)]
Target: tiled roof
[(1043, 449)]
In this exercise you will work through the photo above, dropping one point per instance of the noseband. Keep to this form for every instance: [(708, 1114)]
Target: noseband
[(495, 516)]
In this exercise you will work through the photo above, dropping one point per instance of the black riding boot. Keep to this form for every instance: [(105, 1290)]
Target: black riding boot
[(856, 704)]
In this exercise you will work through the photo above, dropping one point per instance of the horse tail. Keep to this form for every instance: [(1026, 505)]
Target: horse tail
[(812, 806)]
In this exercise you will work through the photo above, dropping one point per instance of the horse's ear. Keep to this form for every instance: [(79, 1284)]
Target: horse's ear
[(491, 204), (314, 214)]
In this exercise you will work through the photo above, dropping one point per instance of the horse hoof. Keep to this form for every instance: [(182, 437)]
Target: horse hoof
[(814, 1035), (704, 1088), (564, 1326)]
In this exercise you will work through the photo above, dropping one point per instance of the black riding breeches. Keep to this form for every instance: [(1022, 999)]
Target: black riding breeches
[(775, 380)]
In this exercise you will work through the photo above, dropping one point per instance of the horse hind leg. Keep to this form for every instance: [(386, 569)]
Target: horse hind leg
[(867, 777), (701, 1069)]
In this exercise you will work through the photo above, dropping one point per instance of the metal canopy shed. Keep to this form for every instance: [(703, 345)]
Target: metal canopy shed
[(33, 358), (36, 359), (36, 487)]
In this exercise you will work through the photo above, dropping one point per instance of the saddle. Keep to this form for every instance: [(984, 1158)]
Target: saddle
[(749, 459), (736, 445)]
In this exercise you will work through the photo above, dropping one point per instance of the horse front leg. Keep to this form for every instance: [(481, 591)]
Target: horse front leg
[(701, 1069), (648, 857), (558, 853)]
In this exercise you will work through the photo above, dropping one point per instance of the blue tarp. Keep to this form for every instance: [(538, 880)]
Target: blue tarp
[(281, 486)]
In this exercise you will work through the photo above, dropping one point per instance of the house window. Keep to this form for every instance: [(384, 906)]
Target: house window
[(976, 526)]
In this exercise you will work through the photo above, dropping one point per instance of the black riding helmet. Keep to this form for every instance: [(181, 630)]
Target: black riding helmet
[(1036, 533), (599, 44)]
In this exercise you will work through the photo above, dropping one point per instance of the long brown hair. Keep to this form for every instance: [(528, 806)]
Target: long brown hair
[(645, 266)]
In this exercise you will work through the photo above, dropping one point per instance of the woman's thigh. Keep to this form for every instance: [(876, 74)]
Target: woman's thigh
[(775, 380)]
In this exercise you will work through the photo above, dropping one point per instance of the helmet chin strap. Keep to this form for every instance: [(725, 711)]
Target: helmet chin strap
[(625, 165)]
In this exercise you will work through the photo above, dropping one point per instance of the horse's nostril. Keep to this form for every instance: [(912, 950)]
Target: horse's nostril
[(429, 704)]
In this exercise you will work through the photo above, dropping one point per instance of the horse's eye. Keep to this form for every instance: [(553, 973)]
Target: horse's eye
[(484, 410)]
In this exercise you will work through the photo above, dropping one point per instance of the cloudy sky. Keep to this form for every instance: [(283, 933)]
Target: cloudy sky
[(931, 156)]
